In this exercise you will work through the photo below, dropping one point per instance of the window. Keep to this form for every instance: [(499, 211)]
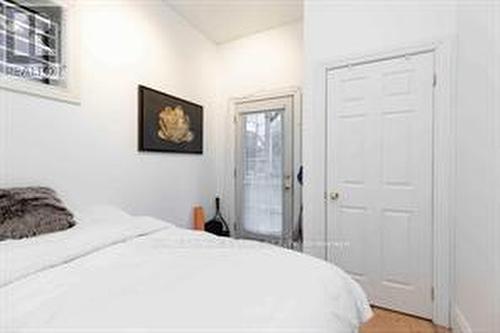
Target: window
[(34, 48), (30, 42)]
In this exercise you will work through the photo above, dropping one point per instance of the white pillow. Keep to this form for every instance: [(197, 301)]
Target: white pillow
[(111, 214)]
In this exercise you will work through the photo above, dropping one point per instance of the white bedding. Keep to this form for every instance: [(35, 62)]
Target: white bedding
[(117, 273)]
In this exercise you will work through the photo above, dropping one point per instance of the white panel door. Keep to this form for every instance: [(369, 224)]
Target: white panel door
[(379, 179)]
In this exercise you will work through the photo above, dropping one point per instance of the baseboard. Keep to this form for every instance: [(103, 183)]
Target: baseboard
[(458, 322)]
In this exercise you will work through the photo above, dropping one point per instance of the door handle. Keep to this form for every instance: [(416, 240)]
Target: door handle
[(288, 183), (334, 196)]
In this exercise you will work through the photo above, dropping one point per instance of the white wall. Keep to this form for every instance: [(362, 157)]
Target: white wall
[(262, 62), (89, 152), (496, 106), (338, 29), (478, 178), (3, 137)]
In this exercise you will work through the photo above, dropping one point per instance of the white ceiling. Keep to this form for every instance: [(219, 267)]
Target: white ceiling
[(225, 20)]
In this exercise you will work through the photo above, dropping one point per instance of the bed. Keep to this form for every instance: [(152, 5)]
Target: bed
[(113, 272)]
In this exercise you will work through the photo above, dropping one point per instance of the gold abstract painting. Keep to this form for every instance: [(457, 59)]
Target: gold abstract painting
[(174, 125), (168, 123)]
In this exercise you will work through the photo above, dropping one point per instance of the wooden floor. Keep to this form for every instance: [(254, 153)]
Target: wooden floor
[(386, 321)]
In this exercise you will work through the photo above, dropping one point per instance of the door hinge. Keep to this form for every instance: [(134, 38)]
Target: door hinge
[(432, 294), (235, 119), (434, 80), (235, 172)]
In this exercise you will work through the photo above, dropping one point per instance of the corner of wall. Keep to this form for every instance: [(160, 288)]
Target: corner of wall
[(458, 322)]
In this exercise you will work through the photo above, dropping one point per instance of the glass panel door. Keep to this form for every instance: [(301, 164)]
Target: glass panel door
[(262, 210), (264, 186)]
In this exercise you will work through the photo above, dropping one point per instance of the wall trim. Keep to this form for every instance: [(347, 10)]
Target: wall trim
[(496, 106), (459, 323), (444, 157)]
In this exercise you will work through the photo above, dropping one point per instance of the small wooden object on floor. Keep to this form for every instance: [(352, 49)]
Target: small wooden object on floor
[(198, 218)]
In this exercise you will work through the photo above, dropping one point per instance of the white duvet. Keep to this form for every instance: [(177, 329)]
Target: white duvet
[(117, 273)]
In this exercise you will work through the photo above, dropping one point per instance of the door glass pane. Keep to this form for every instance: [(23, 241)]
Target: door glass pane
[(262, 210)]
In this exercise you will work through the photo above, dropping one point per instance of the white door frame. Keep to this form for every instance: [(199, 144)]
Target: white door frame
[(230, 190), (444, 157), (285, 107)]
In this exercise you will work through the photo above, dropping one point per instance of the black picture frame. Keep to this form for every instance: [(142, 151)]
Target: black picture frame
[(156, 110)]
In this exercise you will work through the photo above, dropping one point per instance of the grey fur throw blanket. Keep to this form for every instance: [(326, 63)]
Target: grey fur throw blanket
[(31, 211)]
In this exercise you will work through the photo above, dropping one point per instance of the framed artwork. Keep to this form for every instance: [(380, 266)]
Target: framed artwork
[(168, 123)]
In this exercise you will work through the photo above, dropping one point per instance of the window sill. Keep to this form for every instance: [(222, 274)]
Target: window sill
[(61, 94)]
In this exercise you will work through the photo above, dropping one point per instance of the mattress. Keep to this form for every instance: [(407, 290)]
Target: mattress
[(119, 273)]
